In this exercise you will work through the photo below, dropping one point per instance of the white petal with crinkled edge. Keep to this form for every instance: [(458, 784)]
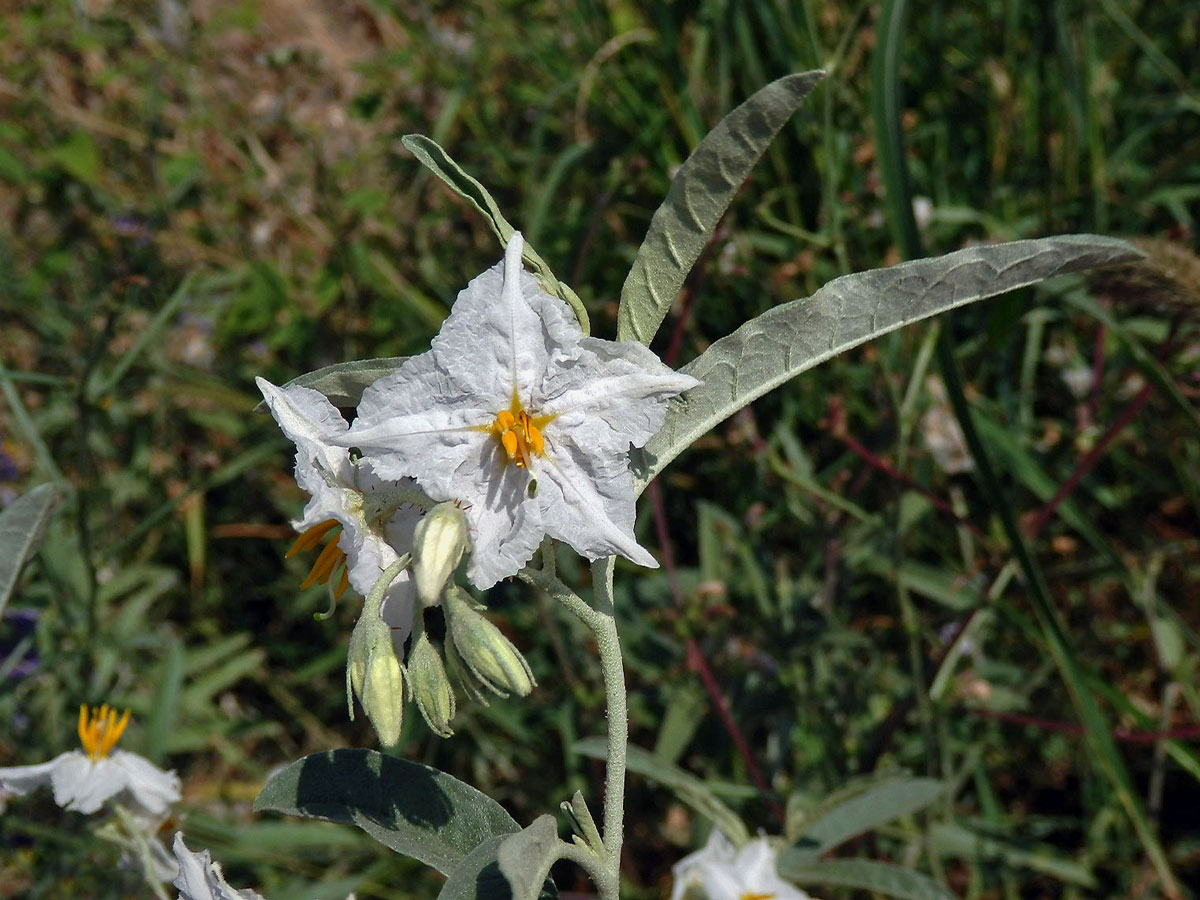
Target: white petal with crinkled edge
[(84, 786), (373, 533), (506, 337), (200, 878), (722, 872)]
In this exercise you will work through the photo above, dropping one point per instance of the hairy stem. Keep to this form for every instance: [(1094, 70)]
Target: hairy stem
[(601, 621)]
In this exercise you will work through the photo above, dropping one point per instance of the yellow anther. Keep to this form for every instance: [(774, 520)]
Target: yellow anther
[(751, 895), (311, 537), (329, 560), (342, 584), (520, 434), (100, 731)]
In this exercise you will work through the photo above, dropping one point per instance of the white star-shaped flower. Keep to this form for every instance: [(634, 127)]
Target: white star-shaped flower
[(377, 517), (200, 878), (84, 780), (718, 871), (523, 420)]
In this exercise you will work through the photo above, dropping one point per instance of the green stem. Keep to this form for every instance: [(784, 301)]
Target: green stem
[(613, 670), (601, 621)]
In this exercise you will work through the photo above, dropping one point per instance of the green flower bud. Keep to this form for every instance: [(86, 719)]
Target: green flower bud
[(489, 655), (430, 686), (439, 541), (373, 672), (383, 693)]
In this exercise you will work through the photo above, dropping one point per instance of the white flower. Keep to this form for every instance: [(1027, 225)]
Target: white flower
[(84, 780), (523, 420), (200, 878), (718, 871), (377, 517)]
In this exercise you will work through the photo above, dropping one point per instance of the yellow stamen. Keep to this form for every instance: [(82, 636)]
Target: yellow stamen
[(311, 537), (519, 433), (99, 732), (329, 559), (343, 584), (752, 895)]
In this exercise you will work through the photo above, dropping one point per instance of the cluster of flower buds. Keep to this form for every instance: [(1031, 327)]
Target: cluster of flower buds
[(476, 652)]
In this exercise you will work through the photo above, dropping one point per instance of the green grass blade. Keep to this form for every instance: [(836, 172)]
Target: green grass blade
[(690, 789)]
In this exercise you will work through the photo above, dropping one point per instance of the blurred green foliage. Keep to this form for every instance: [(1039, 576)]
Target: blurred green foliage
[(194, 194)]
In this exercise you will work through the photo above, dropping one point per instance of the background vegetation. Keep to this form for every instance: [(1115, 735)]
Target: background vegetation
[(192, 194)]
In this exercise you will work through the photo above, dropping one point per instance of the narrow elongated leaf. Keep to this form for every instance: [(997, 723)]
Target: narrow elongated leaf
[(700, 193), (867, 875), (954, 840), (344, 383), (848, 311), (525, 858), (21, 527), (414, 809), (439, 162), (877, 805), (690, 789), (478, 877)]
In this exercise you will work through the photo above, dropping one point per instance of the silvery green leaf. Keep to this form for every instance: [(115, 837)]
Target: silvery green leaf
[(876, 805), (478, 877), (867, 875), (21, 528), (525, 858), (414, 809), (700, 193), (1019, 851), (690, 789), (438, 161), (343, 383), (793, 337)]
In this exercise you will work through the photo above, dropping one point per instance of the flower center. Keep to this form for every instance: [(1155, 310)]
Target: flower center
[(100, 731), (519, 433), (753, 895), (328, 559)]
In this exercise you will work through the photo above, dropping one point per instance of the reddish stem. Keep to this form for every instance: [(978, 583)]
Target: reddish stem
[(837, 428), (697, 663), (1191, 733), (1089, 461)]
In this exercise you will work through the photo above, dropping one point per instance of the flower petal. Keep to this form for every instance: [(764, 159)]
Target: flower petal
[(618, 391), (153, 789), (82, 785), (20, 780), (200, 878), (587, 501)]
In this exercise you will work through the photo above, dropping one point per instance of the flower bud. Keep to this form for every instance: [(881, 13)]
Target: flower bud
[(489, 655), (439, 542), (383, 693), (373, 672), (430, 686)]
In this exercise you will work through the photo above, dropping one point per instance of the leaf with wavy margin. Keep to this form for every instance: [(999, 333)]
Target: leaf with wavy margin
[(414, 809), (793, 337), (700, 193)]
